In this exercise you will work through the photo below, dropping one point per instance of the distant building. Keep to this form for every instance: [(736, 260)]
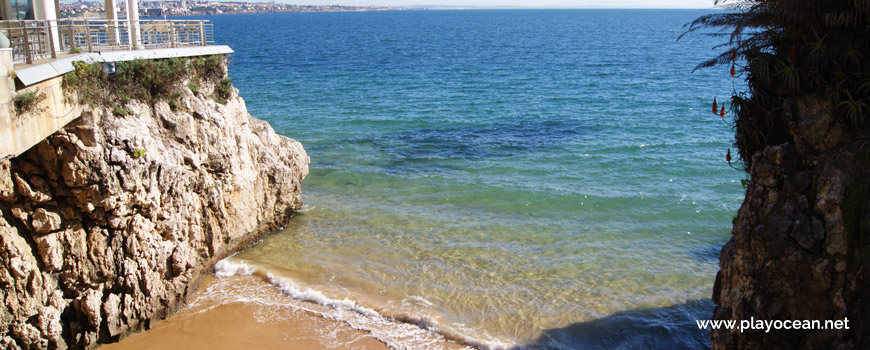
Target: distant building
[(154, 12), (47, 10)]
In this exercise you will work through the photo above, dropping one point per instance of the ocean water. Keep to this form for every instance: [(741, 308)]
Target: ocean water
[(497, 178)]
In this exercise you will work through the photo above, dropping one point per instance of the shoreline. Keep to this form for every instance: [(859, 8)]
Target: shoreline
[(216, 318), (246, 311)]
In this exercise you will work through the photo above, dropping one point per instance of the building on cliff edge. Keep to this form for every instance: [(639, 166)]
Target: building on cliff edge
[(38, 47)]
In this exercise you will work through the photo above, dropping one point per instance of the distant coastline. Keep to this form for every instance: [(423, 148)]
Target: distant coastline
[(199, 8), (179, 8)]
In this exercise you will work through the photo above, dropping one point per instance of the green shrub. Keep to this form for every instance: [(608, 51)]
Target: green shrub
[(121, 112), (88, 82), (145, 80), (26, 102), (209, 67), (193, 85), (175, 104), (224, 91), (790, 50)]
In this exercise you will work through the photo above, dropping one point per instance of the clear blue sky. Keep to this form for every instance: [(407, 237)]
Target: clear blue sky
[(666, 4), (685, 4), (690, 4)]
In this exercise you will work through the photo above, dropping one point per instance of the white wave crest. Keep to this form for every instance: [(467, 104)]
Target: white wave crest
[(225, 268), (421, 333), (291, 289)]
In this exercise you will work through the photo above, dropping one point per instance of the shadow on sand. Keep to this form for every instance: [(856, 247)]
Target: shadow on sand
[(671, 327)]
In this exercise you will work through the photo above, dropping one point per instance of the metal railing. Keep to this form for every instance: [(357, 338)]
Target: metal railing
[(30, 40), (33, 40)]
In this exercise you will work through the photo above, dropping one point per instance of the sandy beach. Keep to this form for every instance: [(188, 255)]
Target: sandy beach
[(220, 320)]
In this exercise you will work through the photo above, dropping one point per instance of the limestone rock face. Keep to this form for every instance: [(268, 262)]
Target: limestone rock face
[(801, 240), (109, 223)]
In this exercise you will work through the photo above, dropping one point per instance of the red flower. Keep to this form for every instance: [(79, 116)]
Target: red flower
[(733, 56), (732, 70), (722, 112), (728, 156), (792, 54), (714, 105)]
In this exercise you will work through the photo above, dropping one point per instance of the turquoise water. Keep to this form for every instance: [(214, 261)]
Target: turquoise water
[(526, 178)]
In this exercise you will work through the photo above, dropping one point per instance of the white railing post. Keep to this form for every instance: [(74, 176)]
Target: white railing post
[(72, 36), (28, 56), (202, 33), (47, 12), (133, 24), (172, 38), (88, 33), (112, 23)]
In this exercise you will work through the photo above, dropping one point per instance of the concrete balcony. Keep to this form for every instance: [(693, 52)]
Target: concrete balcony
[(42, 51), (32, 40)]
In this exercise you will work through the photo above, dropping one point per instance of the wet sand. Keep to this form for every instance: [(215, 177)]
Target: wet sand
[(226, 320)]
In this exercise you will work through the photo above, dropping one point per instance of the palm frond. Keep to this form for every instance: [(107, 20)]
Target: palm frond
[(791, 48)]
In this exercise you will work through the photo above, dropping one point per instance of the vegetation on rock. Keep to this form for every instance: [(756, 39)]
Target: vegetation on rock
[(146, 80), (222, 92), (800, 245), (107, 225), (26, 102), (787, 49)]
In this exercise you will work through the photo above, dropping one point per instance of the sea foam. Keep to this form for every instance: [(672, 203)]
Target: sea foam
[(408, 333), (225, 268)]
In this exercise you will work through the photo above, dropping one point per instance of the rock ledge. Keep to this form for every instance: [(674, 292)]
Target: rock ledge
[(107, 225)]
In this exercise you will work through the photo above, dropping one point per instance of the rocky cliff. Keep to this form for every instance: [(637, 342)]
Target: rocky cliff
[(801, 240), (109, 223)]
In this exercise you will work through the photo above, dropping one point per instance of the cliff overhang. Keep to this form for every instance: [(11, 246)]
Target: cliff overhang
[(108, 224)]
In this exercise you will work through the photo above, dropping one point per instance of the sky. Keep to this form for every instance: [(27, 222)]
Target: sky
[(679, 4), (665, 4), (688, 4)]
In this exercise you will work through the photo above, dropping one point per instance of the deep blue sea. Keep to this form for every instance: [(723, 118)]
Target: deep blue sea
[(496, 178)]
